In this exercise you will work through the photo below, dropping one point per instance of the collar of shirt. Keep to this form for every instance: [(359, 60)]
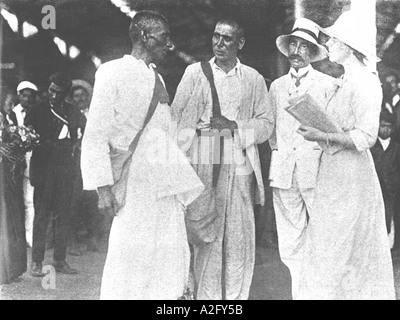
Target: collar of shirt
[(384, 143), (20, 113), (141, 64), (388, 107), (235, 71), (19, 108), (132, 59), (395, 100), (301, 72)]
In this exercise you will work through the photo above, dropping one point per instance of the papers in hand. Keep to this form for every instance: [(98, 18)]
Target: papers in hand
[(309, 112)]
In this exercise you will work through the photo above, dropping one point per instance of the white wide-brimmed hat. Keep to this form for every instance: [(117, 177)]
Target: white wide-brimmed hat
[(307, 30), (355, 31), (26, 85)]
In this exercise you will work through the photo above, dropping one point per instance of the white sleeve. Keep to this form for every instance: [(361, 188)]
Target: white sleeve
[(367, 105), (95, 158)]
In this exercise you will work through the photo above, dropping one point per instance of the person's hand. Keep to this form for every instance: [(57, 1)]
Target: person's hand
[(311, 134), (221, 123), (108, 205)]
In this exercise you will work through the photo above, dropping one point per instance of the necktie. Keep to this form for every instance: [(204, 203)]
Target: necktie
[(298, 79)]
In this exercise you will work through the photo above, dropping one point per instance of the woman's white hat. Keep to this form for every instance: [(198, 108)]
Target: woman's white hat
[(356, 32), (307, 30)]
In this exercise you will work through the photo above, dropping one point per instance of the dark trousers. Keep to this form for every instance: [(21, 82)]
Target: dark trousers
[(389, 201), (84, 210), (52, 197), (396, 222)]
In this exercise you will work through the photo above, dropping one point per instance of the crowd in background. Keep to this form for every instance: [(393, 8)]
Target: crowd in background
[(80, 225)]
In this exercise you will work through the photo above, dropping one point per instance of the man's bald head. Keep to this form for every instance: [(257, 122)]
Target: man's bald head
[(144, 21)]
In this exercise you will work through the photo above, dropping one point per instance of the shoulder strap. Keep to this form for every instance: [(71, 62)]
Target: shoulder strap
[(159, 89), (216, 111), (206, 67)]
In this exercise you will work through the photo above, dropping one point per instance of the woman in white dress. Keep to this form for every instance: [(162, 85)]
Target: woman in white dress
[(347, 254)]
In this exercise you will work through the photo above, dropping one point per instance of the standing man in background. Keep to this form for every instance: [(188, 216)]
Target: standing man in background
[(27, 92), (52, 171)]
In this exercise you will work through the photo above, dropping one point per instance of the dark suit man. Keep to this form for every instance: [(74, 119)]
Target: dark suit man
[(52, 171), (386, 155)]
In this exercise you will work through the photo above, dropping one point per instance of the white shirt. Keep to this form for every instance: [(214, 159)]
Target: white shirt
[(64, 133), (295, 91), (9, 120), (20, 112), (384, 143), (121, 98), (395, 100), (388, 107), (301, 72), (229, 89)]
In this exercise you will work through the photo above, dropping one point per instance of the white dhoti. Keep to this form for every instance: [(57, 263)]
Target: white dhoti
[(224, 268), (148, 253), (148, 256)]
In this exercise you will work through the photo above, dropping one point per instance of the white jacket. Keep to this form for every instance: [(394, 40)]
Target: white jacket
[(290, 149)]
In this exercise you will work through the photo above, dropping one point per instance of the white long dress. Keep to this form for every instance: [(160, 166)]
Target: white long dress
[(347, 254), (148, 255)]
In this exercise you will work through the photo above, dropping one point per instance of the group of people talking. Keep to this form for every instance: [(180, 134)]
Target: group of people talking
[(182, 218), (328, 203)]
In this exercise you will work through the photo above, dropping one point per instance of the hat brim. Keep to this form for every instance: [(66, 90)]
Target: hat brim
[(82, 83), (26, 85), (282, 42), (86, 85), (369, 55)]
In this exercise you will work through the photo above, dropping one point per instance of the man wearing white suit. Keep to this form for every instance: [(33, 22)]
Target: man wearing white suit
[(295, 161)]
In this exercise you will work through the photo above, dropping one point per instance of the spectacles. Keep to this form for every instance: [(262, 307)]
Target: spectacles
[(301, 47)]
